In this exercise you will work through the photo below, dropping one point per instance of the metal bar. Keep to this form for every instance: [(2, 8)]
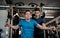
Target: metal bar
[(4, 6), (44, 30), (57, 29), (11, 21), (37, 7), (30, 7), (51, 8), (53, 20)]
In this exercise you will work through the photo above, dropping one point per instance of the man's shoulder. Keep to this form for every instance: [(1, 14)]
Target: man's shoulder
[(41, 18), (33, 20)]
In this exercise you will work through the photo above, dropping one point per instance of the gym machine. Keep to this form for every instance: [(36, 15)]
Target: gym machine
[(51, 33), (21, 9)]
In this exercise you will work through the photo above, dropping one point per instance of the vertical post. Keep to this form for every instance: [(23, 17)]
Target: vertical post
[(19, 29), (11, 21), (44, 30), (18, 10), (57, 28)]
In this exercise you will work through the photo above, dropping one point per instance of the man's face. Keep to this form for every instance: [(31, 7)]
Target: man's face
[(28, 15), (37, 13)]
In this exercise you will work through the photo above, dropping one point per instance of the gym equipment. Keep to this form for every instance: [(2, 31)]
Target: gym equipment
[(23, 8)]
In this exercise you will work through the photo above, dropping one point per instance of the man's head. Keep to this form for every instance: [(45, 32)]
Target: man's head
[(28, 14), (37, 12)]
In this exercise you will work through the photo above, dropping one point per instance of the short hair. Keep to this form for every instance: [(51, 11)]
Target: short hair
[(27, 11), (37, 9)]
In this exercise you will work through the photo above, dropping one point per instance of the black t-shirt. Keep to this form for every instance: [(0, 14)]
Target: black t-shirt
[(37, 30)]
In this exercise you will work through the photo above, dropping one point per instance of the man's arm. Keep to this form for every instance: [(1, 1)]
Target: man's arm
[(13, 27), (43, 24), (43, 27)]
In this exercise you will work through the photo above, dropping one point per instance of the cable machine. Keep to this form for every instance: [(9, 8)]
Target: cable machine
[(20, 10)]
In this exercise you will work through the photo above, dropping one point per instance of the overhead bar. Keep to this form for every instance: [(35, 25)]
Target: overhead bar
[(44, 7), (51, 8), (4, 6)]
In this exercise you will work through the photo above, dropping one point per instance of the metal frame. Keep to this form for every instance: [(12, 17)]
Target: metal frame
[(29, 7)]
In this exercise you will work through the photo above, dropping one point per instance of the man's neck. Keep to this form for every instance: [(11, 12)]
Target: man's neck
[(27, 20), (37, 17)]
